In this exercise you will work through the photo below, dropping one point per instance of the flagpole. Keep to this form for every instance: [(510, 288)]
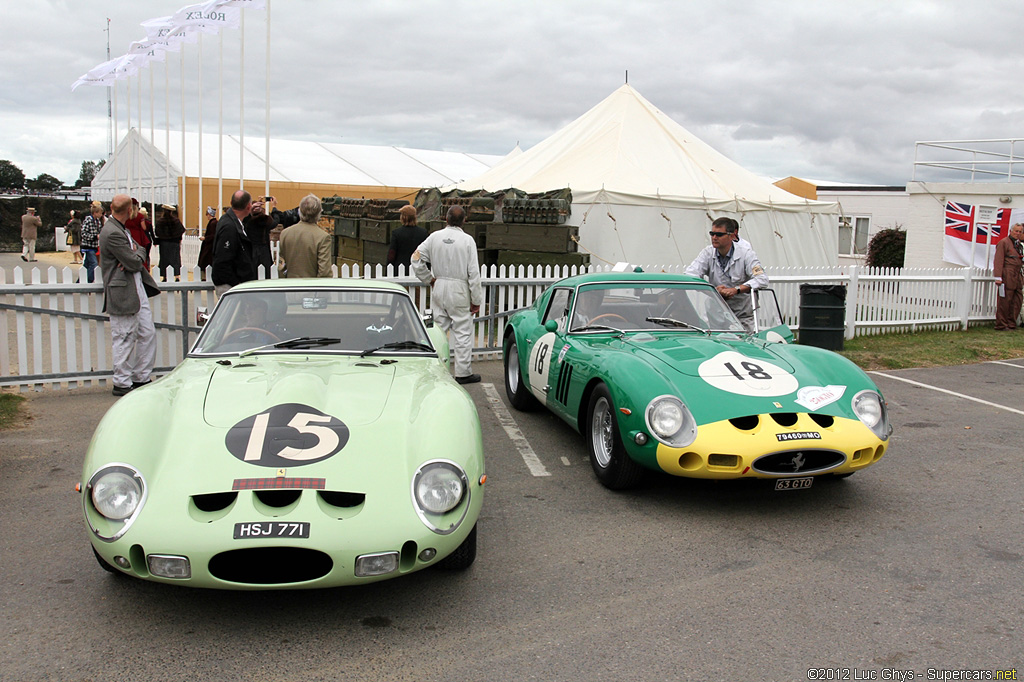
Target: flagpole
[(152, 131), (138, 135), (184, 162), (241, 106), (220, 131), (266, 190), (200, 112), (117, 168), (167, 132)]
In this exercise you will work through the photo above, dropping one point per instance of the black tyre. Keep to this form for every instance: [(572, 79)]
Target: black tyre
[(463, 557), (518, 395), (103, 563), (608, 457)]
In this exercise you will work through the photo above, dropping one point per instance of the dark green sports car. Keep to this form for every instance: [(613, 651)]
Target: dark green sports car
[(657, 373)]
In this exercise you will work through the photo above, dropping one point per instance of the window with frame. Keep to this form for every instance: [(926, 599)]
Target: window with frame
[(853, 235), (558, 308)]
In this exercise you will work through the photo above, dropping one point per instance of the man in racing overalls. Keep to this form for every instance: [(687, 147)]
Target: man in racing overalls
[(447, 261)]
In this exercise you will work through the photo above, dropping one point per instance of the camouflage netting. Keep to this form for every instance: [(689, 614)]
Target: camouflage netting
[(53, 211)]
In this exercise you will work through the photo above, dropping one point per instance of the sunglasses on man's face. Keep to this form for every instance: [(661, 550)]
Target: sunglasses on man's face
[(718, 234)]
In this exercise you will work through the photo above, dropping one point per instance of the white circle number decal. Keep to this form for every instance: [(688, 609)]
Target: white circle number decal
[(540, 366), (736, 373)]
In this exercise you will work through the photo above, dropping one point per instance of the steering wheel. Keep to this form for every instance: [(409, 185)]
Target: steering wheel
[(274, 338), (593, 320)]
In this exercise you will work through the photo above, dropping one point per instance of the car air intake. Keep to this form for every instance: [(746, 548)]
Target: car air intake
[(270, 565)]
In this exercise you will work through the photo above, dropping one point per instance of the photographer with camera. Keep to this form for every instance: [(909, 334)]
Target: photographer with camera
[(258, 226)]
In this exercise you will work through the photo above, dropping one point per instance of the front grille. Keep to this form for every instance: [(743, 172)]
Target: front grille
[(270, 565), (798, 462), (214, 502), (278, 498)]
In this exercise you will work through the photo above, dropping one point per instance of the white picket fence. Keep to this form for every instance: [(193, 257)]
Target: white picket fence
[(53, 331)]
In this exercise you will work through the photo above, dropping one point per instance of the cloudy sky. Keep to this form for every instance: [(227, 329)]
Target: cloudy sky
[(836, 90)]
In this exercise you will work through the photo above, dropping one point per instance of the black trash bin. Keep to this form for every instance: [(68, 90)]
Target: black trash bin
[(823, 315)]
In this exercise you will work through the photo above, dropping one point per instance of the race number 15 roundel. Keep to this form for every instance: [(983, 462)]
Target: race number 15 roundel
[(287, 435), (736, 373)]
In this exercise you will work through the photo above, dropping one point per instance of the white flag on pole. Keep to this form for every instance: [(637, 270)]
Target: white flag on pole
[(207, 18), (110, 71)]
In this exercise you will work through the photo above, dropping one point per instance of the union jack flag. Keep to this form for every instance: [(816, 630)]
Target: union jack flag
[(959, 220), (997, 231)]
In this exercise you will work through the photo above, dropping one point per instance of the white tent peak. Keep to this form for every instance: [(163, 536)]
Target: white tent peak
[(644, 190), (628, 147)]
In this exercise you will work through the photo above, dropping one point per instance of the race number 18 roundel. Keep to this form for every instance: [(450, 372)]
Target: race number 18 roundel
[(288, 435), (736, 373)]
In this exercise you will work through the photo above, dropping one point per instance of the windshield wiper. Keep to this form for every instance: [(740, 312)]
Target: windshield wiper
[(297, 342), (414, 345), (592, 327), (672, 322)]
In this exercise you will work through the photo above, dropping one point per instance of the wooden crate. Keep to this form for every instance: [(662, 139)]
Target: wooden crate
[(377, 230), (346, 227), (354, 265), (541, 238), (375, 253), (349, 248), (516, 258)]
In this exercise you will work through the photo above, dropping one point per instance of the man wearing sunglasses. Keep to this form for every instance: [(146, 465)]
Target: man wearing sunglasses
[(731, 268)]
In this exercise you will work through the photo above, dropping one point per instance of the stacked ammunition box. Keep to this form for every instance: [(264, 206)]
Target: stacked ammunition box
[(510, 228)]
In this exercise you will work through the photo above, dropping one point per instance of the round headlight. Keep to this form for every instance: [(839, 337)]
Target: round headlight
[(439, 487), (670, 421), (116, 494), (870, 409)]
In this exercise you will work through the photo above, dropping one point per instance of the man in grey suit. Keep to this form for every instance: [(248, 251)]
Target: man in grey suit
[(127, 286)]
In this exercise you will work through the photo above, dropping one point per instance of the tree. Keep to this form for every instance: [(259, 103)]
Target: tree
[(45, 182), (89, 170), (11, 177)]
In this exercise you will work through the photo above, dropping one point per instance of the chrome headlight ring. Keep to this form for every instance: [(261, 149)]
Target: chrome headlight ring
[(439, 488), (117, 492), (670, 421), (869, 407)]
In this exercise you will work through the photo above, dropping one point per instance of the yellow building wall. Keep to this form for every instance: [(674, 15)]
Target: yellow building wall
[(288, 195)]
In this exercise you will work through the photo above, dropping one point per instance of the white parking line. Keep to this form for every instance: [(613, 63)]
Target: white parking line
[(533, 462), (943, 390), (1008, 364)]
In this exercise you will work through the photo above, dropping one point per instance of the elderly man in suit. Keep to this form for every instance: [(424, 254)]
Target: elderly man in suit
[(30, 224), (1006, 267), (127, 286), (305, 248)]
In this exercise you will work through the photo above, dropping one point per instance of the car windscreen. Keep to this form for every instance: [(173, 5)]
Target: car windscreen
[(645, 306), (316, 320)]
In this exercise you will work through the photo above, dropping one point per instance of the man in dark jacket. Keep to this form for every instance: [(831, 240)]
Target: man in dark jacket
[(233, 261)]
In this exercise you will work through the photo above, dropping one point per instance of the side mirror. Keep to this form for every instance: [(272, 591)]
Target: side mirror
[(202, 315), (551, 325), (428, 317)]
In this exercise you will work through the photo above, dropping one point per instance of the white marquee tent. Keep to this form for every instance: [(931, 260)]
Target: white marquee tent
[(643, 188), (152, 170)]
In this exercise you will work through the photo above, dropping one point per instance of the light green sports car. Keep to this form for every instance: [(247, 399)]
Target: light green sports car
[(313, 437)]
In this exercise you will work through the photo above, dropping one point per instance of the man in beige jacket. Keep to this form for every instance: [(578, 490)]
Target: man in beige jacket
[(30, 224), (305, 249)]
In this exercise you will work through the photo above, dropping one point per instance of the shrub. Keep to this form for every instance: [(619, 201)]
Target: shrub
[(887, 248)]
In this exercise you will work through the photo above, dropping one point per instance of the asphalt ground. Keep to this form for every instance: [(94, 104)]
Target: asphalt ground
[(911, 569)]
